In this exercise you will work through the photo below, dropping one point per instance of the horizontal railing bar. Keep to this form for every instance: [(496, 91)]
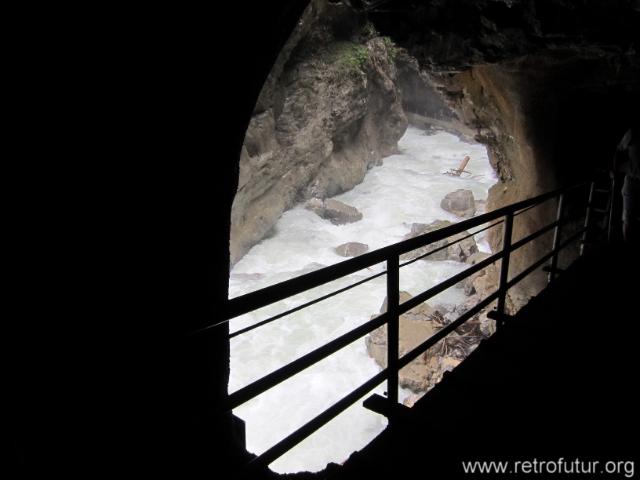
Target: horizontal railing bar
[(273, 293), (305, 305), (515, 246), (529, 269), (426, 295), (325, 417), (287, 371), (329, 414), (342, 290), (413, 354), (436, 235), (536, 234), (450, 244), (515, 214), (546, 257), (543, 230), (540, 203), (259, 386), (440, 334)]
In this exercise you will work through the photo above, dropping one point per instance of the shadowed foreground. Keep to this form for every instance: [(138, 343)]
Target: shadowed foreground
[(557, 381)]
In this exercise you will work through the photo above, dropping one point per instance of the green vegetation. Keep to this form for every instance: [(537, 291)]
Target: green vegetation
[(369, 31), (357, 57), (349, 57), (392, 49)]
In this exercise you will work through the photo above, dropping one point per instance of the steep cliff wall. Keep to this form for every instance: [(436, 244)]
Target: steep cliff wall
[(501, 102), (330, 110), (536, 81)]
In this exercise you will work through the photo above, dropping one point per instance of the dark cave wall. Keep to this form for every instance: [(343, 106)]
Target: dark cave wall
[(181, 169), (154, 130), (531, 110), (209, 442), (127, 232), (520, 111)]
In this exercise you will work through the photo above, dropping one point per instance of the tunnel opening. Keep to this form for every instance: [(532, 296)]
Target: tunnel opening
[(519, 108), (169, 103), (351, 147)]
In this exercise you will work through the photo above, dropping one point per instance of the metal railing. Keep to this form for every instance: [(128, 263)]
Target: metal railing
[(391, 256)]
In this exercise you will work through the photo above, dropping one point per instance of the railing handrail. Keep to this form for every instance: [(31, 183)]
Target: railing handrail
[(391, 255), (263, 297)]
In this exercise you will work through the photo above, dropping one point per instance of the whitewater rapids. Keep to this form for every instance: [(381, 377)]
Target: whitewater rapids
[(406, 189)]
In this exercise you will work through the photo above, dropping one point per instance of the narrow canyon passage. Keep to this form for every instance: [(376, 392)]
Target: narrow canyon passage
[(405, 190)]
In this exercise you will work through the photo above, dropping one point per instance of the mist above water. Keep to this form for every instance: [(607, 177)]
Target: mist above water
[(406, 189)]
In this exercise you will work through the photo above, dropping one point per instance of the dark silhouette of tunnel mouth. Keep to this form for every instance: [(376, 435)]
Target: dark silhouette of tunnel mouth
[(161, 101), (570, 116), (510, 402)]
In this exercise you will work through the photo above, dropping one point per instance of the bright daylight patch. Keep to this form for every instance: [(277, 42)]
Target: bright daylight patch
[(406, 189)]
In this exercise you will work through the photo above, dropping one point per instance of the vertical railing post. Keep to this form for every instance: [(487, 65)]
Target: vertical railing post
[(393, 327), (556, 240), (612, 198), (504, 269), (587, 218)]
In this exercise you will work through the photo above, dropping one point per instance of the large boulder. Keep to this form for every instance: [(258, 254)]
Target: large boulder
[(477, 257), (461, 203), (459, 252), (351, 249), (335, 211), (428, 369), (416, 326), (421, 323), (477, 327), (483, 282)]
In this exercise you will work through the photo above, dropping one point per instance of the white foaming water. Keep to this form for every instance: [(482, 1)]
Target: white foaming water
[(407, 188)]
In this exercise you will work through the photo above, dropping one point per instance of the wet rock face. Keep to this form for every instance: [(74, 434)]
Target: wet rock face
[(330, 110)]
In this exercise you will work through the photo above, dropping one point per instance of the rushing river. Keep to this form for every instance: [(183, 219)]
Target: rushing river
[(407, 188)]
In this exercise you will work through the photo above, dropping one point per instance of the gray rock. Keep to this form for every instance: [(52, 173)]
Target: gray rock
[(351, 249), (416, 326), (479, 326), (335, 211), (458, 252), (477, 257), (460, 203), (482, 283)]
